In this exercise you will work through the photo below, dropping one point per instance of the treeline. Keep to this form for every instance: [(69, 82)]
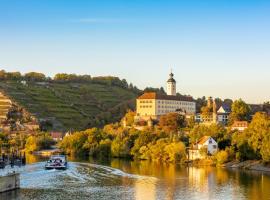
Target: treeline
[(116, 141), (168, 139), (65, 78), (31, 76), (29, 143)]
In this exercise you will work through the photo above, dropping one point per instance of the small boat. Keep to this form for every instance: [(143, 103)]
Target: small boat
[(57, 162)]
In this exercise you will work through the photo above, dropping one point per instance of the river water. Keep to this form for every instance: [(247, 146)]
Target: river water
[(128, 180)]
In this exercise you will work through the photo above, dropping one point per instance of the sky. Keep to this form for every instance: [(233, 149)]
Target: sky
[(215, 48)]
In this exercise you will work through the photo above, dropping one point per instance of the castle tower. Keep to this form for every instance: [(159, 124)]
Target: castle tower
[(171, 85), (215, 112)]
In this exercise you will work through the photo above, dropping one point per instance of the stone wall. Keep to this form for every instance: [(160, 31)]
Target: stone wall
[(9, 182)]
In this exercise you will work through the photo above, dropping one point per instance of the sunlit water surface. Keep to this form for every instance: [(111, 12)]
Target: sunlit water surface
[(118, 179)]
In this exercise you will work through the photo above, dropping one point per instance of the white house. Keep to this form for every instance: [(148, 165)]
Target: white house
[(206, 142), (223, 114)]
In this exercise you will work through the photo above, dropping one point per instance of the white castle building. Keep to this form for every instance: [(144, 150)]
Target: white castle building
[(153, 105)]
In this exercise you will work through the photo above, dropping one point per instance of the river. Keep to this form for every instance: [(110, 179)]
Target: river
[(128, 180)]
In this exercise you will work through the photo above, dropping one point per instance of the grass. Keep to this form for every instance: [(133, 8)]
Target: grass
[(72, 105)]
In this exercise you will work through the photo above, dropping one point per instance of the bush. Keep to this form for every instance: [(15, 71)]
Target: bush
[(222, 157), (39, 142)]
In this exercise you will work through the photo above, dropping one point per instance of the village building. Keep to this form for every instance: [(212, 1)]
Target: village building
[(57, 136), (223, 114), (152, 105), (219, 114), (205, 146), (239, 125)]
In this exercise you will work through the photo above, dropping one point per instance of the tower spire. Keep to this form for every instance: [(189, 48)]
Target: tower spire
[(171, 85)]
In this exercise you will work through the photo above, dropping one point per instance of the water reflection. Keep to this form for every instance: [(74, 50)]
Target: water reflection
[(122, 179)]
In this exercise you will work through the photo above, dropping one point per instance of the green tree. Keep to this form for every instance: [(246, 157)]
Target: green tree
[(35, 76), (258, 134), (216, 131), (143, 139), (240, 111)]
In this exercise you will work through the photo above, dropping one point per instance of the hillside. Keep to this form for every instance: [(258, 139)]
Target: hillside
[(70, 105)]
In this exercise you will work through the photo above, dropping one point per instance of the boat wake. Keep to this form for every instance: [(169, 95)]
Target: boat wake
[(76, 176)]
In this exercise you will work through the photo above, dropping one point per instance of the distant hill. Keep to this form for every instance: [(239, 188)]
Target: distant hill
[(65, 105)]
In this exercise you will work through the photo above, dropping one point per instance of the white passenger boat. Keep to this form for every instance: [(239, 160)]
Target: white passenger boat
[(57, 162)]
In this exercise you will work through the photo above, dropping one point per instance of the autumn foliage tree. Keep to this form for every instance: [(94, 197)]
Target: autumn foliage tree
[(172, 122)]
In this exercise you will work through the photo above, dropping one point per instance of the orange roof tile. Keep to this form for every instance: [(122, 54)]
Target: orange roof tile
[(154, 95), (203, 140), (240, 124)]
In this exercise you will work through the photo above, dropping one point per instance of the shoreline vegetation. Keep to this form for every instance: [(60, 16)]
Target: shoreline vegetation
[(168, 139)]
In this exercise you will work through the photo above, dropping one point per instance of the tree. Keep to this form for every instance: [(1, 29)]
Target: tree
[(157, 90), (13, 76), (200, 102), (35, 76), (216, 131), (243, 150), (143, 139), (38, 142), (172, 122), (222, 157), (120, 147), (240, 111), (129, 117), (175, 152), (258, 134), (31, 144), (206, 111)]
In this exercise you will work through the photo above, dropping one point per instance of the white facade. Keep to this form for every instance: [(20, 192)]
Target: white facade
[(171, 86), (210, 144), (156, 107), (205, 142), (167, 106)]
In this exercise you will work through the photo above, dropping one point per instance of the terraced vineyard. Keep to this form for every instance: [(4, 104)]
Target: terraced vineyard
[(74, 106)]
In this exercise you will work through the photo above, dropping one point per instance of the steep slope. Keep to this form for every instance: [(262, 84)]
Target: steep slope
[(64, 106)]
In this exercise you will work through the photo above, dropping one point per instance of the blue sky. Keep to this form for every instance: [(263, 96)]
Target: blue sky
[(218, 48)]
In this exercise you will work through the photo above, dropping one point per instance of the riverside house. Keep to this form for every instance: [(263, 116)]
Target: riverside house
[(205, 146)]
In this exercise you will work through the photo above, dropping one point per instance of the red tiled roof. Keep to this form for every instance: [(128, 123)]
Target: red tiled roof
[(56, 135), (154, 95), (203, 140), (240, 124)]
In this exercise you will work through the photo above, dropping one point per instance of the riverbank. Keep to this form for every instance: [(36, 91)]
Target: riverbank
[(48, 152), (257, 165)]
